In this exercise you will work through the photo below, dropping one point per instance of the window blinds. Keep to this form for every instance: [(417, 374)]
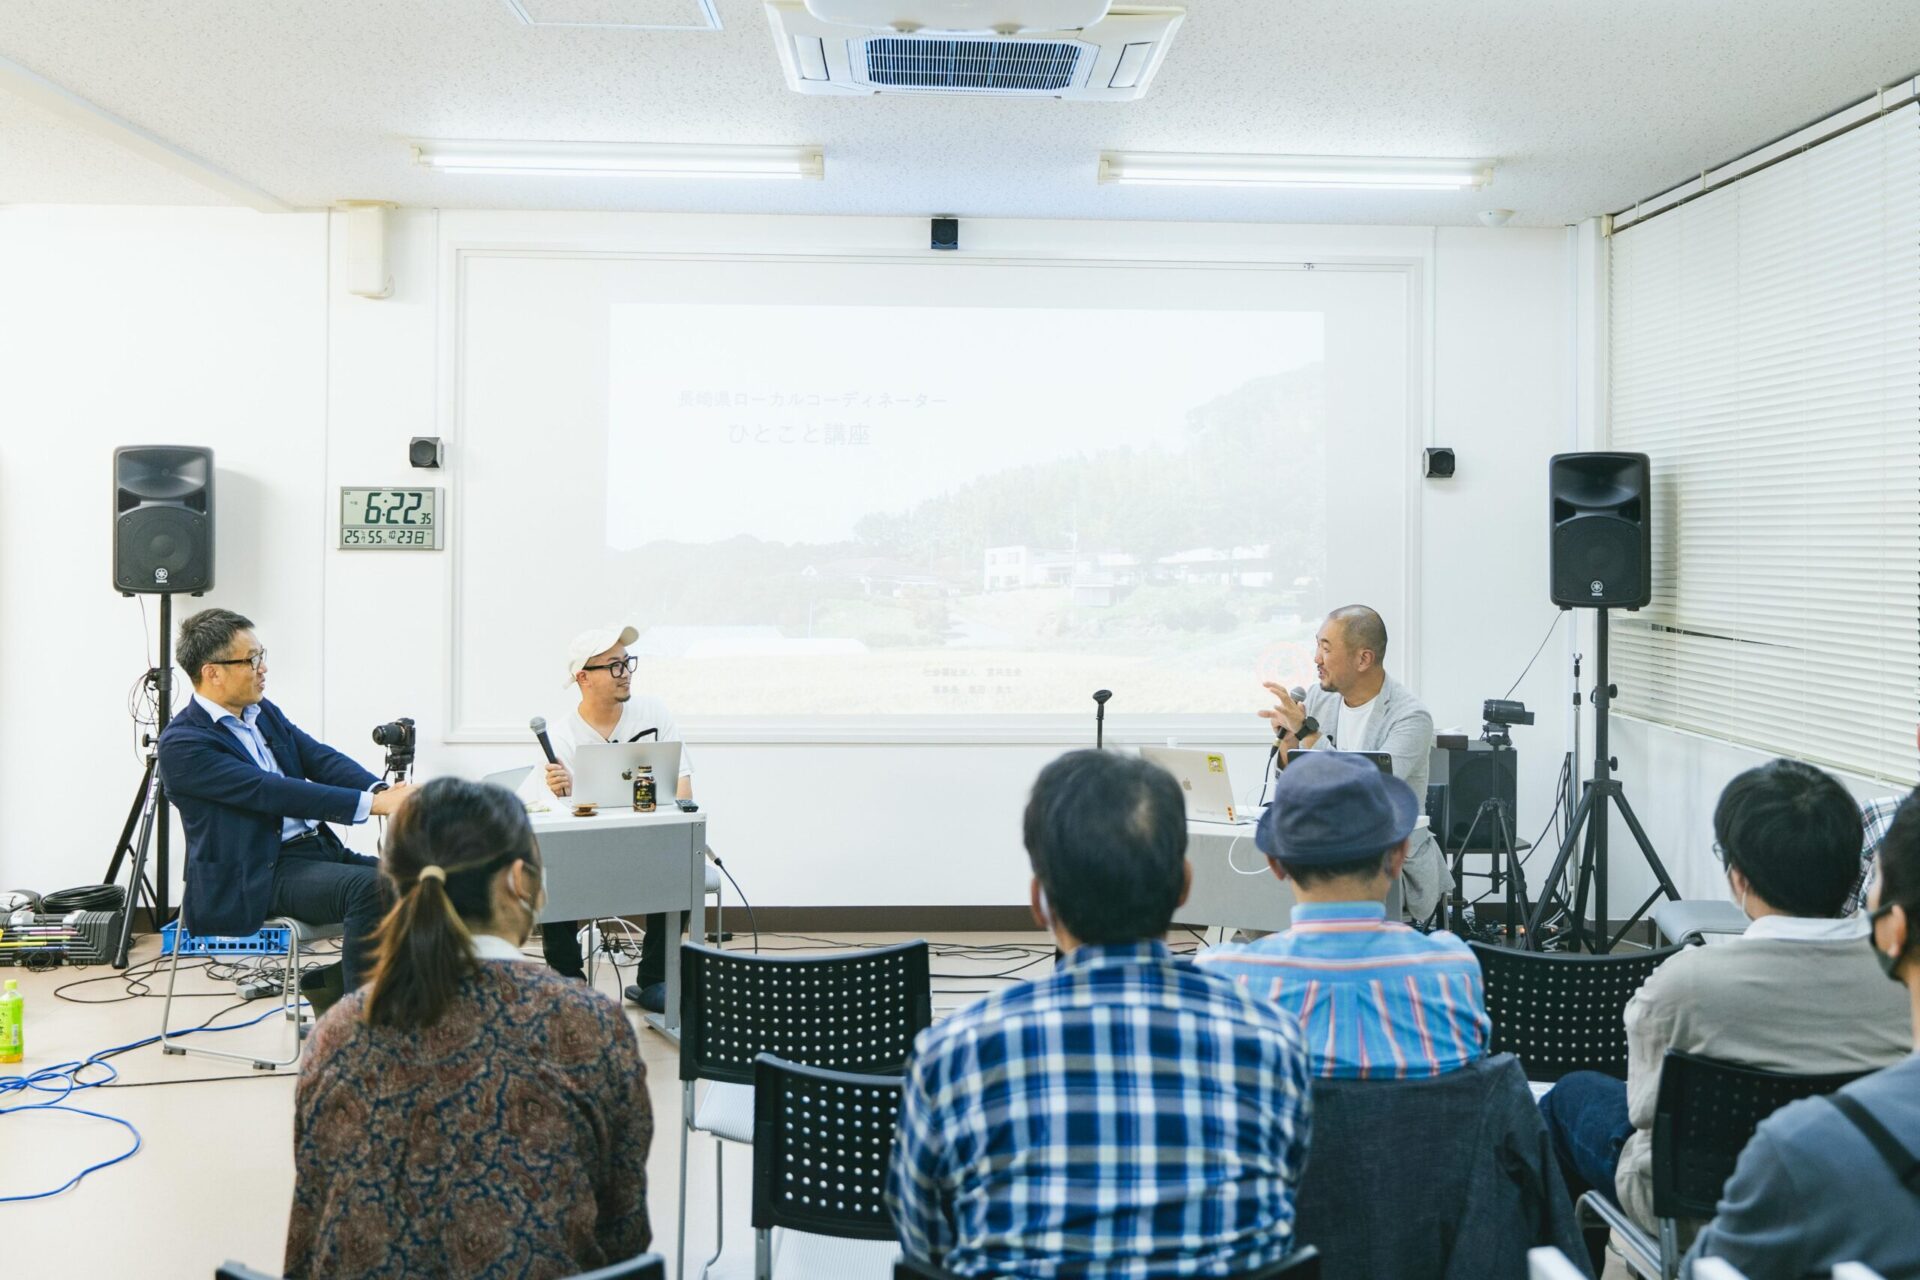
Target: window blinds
[(1765, 352)]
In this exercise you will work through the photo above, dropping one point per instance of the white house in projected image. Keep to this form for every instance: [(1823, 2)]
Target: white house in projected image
[(1097, 578)]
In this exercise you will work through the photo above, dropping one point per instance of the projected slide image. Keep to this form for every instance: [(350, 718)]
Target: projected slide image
[(898, 510)]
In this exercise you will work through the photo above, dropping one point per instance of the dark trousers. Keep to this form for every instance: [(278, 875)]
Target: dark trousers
[(1587, 1122), (321, 881), (561, 942)]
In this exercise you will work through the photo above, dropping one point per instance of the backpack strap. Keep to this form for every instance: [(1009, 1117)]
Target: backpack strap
[(1905, 1165)]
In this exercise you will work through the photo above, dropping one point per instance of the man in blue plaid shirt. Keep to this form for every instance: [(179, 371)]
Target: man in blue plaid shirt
[(1129, 1116)]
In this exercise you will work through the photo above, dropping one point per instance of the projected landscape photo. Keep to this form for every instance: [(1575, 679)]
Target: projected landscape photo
[(973, 545)]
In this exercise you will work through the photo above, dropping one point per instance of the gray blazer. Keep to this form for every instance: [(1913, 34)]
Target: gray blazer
[(1403, 728)]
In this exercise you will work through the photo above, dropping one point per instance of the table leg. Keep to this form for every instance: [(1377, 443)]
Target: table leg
[(668, 1023)]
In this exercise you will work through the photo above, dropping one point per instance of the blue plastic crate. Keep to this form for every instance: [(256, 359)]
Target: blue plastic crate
[(268, 942)]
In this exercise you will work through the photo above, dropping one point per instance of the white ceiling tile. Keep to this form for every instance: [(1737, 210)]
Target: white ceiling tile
[(1586, 107)]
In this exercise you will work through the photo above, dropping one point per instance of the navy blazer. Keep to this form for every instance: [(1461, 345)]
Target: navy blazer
[(232, 809)]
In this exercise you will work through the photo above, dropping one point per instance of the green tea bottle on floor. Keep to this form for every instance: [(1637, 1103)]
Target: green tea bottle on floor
[(12, 1009)]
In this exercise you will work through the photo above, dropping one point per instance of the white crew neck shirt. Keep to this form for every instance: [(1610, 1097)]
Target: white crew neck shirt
[(1350, 730)]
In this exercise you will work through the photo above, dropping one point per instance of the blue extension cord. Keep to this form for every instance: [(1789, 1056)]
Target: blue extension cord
[(63, 1080)]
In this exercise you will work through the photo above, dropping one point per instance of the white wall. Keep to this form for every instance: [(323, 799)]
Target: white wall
[(143, 327), (330, 387)]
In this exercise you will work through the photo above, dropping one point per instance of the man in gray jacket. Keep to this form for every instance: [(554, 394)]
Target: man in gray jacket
[(1357, 706)]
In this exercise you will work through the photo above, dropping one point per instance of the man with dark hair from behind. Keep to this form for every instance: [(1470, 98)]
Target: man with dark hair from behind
[(255, 795), (1822, 1182), (1377, 999), (1130, 1115), (1798, 992)]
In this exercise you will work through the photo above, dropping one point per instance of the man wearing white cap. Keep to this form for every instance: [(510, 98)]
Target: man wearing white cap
[(599, 667)]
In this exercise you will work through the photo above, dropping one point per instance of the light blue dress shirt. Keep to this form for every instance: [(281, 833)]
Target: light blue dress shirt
[(247, 730)]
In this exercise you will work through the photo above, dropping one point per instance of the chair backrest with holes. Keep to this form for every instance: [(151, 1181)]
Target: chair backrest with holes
[(1703, 1119), (1302, 1264), (1562, 1013), (821, 1142), (847, 1011)]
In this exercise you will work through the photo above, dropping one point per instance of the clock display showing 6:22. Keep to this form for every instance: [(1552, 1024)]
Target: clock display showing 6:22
[(396, 518)]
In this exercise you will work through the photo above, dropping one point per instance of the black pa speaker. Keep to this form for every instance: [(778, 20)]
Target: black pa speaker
[(1602, 551), (162, 519), (1459, 779)]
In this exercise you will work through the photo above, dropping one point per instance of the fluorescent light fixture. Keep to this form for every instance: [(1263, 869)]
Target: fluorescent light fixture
[(621, 159), (1169, 168)]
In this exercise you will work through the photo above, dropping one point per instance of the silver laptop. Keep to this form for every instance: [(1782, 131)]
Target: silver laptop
[(1202, 776), (603, 772)]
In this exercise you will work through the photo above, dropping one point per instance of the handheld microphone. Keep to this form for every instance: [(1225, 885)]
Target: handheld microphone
[(539, 726), (1298, 694), (1100, 697)]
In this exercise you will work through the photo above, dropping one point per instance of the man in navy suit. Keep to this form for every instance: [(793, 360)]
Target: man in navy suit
[(255, 795)]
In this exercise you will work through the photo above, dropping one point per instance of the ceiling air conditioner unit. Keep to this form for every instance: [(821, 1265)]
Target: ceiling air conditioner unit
[(1087, 50)]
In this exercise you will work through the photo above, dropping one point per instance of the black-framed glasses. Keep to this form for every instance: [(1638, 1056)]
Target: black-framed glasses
[(627, 666), (254, 660)]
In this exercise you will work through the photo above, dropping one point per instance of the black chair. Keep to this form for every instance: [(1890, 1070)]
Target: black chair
[(855, 1011), (821, 1142), (1562, 1013), (1703, 1119), (648, 1266), (1302, 1264)]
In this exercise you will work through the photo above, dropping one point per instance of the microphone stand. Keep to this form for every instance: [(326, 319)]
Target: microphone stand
[(1100, 697)]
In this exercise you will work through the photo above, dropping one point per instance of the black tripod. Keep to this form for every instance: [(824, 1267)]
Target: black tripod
[(149, 809), (1501, 842), (1595, 796)]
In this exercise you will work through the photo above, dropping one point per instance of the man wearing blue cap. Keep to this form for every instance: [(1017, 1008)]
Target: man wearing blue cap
[(1378, 1000)]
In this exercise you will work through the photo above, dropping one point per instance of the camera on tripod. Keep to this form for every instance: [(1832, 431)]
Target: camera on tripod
[(398, 738), (1500, 714)]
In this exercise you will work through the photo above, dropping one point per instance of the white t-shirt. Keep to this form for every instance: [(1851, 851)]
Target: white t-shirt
[(1350, 730), (640, 713)]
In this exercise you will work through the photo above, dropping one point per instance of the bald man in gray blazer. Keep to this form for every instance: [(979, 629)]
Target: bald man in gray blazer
[(1357, 706)]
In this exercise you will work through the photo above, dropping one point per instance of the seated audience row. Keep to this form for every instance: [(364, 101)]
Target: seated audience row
[(1137, 1114), (1134, 1113)]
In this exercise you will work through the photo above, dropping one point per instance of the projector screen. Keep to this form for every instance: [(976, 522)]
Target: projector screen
[(892, 494)]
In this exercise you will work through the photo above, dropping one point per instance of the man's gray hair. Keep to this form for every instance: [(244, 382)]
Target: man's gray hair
[(1363, 629), (205, 636)]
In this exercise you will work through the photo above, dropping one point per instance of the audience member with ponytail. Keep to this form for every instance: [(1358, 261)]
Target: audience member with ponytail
[(468, 1112), (1833, 1180)]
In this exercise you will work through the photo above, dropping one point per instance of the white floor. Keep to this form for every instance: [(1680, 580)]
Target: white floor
[(214, 1174)]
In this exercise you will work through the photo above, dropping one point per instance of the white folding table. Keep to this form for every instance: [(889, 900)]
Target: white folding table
[(622, 863)]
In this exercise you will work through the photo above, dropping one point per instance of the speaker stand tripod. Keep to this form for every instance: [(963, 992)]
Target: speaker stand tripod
[(148, 812), (1600, 793)]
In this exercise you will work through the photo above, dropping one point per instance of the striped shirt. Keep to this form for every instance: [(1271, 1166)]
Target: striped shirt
[(1128, 1116), (1378, 1000)]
